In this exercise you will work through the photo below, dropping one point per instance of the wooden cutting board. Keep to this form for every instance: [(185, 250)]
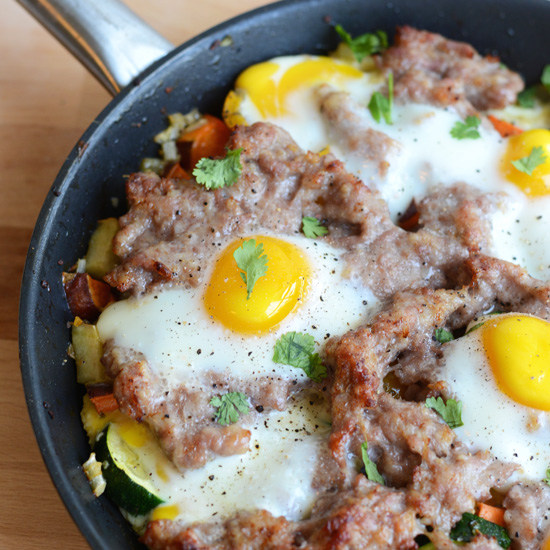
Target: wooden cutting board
[(47, 100)]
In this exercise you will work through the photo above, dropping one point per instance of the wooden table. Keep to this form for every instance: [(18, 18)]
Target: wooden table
[(47, 100)]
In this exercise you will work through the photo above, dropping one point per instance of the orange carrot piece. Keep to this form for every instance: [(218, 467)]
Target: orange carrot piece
[(177, 172), (505, 129), (208, 140), (491, 513), (101, 395)]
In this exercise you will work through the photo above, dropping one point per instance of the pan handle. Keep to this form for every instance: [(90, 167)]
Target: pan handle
[(110, 40)]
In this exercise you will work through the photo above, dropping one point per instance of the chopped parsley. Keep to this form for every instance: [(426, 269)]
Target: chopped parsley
[(253, 262), (526, 98), (527, 164), (312, 227), (471, 525), (297, 350), (371, 471), (229, 406), (216, 173), (382, 106), (365, 44), (467, 129), (443, 336), (450, 412)]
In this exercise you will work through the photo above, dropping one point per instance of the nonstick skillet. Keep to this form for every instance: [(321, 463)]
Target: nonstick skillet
[(90, 185)]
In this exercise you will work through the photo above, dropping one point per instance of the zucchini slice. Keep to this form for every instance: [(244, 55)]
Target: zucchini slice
[(128, 484)]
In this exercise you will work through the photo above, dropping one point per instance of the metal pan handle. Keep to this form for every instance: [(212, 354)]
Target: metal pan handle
[(110, 40)]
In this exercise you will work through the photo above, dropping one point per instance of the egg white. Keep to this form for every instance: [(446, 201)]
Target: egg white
[(429, 156), (493, 421), (182, 343)]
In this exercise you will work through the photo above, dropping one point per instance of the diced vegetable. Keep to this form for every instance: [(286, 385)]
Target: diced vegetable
[(88, 350), (491, 513), (93, 422), (177, 123), (100, 258), (505, 129), (86, 296), (101, 395), (470, 525), (92, 469), (206, 140), (177, 172), (128, 484)]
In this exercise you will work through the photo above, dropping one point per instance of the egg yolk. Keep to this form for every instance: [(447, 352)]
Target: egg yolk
[(520, 147), (273, 296), (518, 349), (268, 88)]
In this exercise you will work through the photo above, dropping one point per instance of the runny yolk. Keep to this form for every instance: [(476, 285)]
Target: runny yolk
[(518, 349), (268, 89), (274, 295), (520, 147)]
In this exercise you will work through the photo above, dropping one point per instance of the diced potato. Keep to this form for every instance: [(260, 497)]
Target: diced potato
[(93, 422), (88, 350), (86, 296), (100, 258)]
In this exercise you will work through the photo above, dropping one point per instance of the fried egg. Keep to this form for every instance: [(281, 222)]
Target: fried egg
[(185, 333), (500, 371), (283, 91)]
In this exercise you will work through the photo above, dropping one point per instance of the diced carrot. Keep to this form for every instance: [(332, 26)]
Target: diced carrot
[(409, 220), (208, 140), (491, 513), (505, 129), (101, 395), (177, 172)]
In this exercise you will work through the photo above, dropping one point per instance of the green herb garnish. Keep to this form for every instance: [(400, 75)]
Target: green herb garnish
[(382, 106), (365, 44), (547, 478), (526, 98), (466, 129), (229, 406), (443, 336), (312, 227), (216, 173), (471, 525), (528, 164), (371, 470), (297, 350), (253, 262), (450, 412), (545, 77)]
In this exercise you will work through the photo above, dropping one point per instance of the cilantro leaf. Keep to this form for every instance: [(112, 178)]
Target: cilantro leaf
[(371, 470), (382, 106), (365, 44), (535, 158), (450, 412), (547, 478), (312, 227), (443, 336), (251, 259), (229, 406), (545, 77), (466, 129), (296, 349), (471, 525), (216, 173), (526, 98)]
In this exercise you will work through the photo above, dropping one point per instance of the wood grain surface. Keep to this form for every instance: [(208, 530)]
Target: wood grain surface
[(47, 100)]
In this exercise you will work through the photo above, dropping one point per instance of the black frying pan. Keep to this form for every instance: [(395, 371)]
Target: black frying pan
[(199, 75)]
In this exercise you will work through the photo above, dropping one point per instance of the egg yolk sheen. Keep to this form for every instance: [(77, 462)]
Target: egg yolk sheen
[(269, 84), (520, 147), (518, 348), (274, 295)]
